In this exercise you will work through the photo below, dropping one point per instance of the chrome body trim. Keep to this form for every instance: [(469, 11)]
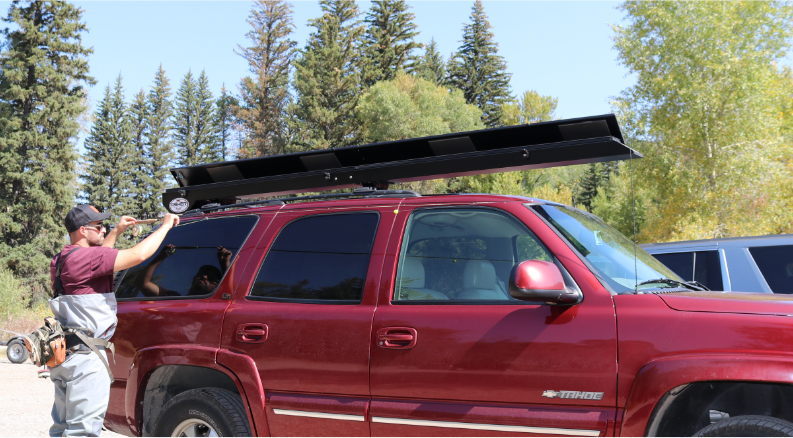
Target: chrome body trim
[(494, 427), (324, 415)]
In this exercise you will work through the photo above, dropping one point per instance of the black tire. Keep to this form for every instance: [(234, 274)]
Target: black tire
[(16, 351), (749, 425), (204, 410)]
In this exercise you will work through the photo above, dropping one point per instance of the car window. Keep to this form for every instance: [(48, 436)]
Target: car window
[(681, 263), (707, 269), (701, 266), (318, 259), (623, 266), (776, 265), (191, 261), (462, 255)]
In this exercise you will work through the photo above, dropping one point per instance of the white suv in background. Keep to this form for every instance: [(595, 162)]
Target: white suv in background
[(741, 264)]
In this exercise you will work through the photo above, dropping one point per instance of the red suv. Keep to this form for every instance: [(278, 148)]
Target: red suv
[(384, 312)]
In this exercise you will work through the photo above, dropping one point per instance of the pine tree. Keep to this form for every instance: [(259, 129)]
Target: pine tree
[(328, 79), (44, 69), (185, 122), (225, 105), (138, 172), (158, 149), (479, 71), (206, 124), (265, 96), (388, 41), (195, 122), (431, 66), (595, 178), (109, 155)]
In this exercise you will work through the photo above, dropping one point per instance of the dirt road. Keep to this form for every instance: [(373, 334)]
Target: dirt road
[(26, 400)]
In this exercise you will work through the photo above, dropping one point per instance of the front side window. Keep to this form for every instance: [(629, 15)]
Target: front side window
[(776, 265), (318, 259), (191, 261), (623, 265), (462, 254)]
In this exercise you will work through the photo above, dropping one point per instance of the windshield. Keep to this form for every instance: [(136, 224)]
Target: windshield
[(610, 252)]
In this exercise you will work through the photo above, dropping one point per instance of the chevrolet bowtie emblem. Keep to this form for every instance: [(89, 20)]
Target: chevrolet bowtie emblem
[(573, 394)]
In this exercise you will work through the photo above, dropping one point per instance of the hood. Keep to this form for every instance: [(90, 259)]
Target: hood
[(730, 302)]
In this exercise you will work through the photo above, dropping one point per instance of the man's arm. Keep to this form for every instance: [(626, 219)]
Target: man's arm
[(123, 223), (143, 282), (134, 256)]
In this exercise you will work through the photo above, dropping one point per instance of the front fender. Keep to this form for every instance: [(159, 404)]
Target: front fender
[(147, 360), (658, 377)]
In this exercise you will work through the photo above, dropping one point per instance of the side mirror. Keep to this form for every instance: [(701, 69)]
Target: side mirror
[(541, 282)]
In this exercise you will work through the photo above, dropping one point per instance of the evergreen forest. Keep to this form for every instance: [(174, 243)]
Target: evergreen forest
[(711, 111)]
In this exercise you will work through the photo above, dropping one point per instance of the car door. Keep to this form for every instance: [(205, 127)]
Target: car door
[(454, 354), (146, 320), (306, 319)]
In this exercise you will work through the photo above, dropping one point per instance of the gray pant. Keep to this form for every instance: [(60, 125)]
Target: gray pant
[(82, 391)]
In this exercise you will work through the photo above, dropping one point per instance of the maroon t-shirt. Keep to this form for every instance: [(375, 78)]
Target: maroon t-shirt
[(87, 270)]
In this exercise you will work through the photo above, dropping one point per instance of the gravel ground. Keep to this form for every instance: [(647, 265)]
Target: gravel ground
[(26, 400)]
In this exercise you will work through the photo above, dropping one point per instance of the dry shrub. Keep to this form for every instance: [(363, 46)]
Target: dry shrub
[(16, 312)]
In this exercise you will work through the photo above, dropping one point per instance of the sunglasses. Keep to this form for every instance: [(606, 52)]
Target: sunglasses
[(97, 227)]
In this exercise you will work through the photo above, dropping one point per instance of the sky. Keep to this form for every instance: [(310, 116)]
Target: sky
[(561, 49)]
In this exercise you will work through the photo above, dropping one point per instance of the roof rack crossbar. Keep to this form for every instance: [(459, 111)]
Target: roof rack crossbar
[(533, 146)]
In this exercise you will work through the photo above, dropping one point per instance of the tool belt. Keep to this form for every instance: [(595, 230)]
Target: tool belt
[(51, 343)]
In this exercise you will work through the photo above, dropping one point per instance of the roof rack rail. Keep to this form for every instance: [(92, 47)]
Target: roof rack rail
[(363, 192), (537, 145)]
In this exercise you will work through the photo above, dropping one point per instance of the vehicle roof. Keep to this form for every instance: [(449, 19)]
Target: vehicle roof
[(461, 198), (770, 240)]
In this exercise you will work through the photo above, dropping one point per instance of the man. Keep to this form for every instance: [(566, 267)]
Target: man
[(82, 382), (204, 281)]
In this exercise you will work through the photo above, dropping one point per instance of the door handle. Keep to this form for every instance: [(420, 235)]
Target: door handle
[(397, 338), (252, 333)]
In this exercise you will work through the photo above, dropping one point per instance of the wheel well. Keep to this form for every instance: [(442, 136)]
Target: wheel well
[(686, 409), (168, 381)]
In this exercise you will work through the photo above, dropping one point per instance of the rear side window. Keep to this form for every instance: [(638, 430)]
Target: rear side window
[(701, 266), (318, 259), (776, 265), (191, 261)]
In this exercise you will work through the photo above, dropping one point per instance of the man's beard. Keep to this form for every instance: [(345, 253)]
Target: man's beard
[(100, 241)]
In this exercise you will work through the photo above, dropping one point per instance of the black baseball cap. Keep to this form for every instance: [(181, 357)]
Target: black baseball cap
[(82, 215)]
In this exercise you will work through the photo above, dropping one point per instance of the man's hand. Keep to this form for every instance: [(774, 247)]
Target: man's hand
[(224, 258), (124, 223), (170, 220), (167, 250)]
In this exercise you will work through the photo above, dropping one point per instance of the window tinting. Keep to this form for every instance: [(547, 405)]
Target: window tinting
[(319, 258), (681, 263), (701, 266), (707, 269), (776, 265), (462, 254), (200, 253)]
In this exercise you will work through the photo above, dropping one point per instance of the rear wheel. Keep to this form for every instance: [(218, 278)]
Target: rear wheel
[(16, 351), (203, 412), (749, 425)]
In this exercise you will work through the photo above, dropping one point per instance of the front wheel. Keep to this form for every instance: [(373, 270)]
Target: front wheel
[(203, 412), (16, 351), (748, 425)]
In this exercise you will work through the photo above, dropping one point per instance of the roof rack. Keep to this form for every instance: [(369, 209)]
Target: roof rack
[(362, 192), (378, 165)]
